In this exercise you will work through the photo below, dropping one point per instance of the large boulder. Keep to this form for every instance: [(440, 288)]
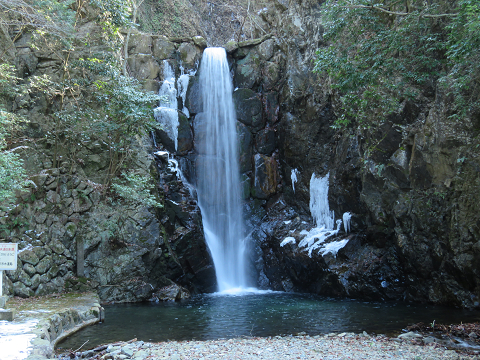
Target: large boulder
[(172, 292), (184, 135), (143, 66), (193, 101), (189, 54), (265, 141), (140, 44), (248, 71), (162, 48), (248, 108)]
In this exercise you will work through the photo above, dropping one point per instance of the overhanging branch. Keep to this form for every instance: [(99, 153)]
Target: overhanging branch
[(373, 7)]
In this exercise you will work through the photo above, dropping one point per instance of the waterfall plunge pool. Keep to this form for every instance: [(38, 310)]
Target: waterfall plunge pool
[(216, 316)]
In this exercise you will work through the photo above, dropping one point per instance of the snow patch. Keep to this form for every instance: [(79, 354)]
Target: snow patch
[(15, 339)]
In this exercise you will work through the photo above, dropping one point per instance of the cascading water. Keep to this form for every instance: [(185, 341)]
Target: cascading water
[(218, 175)]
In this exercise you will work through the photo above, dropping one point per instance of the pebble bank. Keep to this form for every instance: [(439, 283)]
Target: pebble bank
[(326, 347)]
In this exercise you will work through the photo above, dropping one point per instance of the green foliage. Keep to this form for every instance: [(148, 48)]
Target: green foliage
[(381, 54), (54, 17), (129, 192), (114, 14), (135, 188), (12, 173), (464, 58), (118, 110), (113, 110)]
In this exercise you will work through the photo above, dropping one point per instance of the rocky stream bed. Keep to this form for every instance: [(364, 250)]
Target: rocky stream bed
[(330, 346)]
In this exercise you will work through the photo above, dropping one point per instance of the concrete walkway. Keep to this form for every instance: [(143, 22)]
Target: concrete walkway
[(41, 322)]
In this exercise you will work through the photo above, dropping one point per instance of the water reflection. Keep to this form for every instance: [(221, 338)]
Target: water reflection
[(213, 316)]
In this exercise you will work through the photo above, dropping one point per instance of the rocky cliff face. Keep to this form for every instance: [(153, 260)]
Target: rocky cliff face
[(70, 235), (411, 185)]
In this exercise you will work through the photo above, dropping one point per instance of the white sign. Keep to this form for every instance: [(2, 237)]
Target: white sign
[(8, 256)]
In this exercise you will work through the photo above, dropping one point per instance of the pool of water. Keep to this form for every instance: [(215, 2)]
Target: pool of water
[(214, 316)]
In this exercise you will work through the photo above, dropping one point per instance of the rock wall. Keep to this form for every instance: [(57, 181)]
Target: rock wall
[(127, 250), (411, 185)]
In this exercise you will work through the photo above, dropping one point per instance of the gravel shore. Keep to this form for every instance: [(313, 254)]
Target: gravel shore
[(332, 346)]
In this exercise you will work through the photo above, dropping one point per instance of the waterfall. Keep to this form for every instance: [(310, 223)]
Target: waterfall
[(218, 174)]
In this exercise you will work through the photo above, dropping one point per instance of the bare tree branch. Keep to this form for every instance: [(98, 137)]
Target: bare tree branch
[(20, 13), (373, 7)]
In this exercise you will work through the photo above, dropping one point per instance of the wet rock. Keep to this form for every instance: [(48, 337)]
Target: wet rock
[(172, 293), (185, 135), (265, 141), (245, 147), (265, 176), (245, 185), (193, 101), (248, 108)]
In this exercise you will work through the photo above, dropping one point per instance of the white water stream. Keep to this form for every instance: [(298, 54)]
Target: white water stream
[(218, 175)]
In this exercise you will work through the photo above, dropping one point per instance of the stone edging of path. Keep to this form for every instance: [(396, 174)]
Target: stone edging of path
[(58, 317)]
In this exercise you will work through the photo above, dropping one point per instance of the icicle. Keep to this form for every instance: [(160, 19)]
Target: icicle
[(319, 207), (293, 176), (346, 221), (166, 113)]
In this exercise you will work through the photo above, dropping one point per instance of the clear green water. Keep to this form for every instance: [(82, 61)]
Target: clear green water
[(214, 316)]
